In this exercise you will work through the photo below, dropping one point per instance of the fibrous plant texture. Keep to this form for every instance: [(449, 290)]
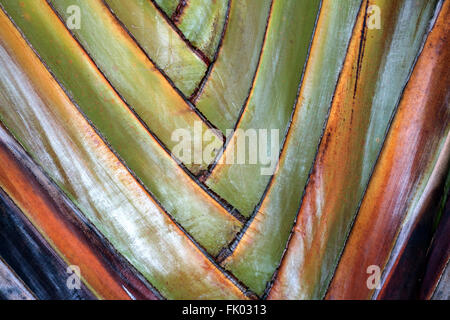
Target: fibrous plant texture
[(224, 149)]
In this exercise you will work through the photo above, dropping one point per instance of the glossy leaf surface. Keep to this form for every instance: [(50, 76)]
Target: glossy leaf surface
[(366, 96), (184, 199), (202, 23), (85, 168), (269, 106), (258, 253)]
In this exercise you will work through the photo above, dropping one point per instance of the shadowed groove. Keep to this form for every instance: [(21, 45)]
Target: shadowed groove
[(114, 264), (269, 108), (186, 116), (273, 228), (202, 22), (112, 149), (146, 25), (428, 89), (439, 257), (151, 199), (106, 261), (196, 178), (271, 282)]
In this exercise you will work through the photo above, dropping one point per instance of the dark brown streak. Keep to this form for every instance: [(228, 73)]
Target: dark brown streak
[(231, 277), (199, 89), (199, 53), (213, 165), (179, 10), (33, 259)]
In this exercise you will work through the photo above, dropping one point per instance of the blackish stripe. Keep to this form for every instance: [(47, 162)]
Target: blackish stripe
[(32, 258)]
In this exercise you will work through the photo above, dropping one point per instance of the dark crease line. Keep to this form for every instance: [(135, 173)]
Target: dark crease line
[(78, 218), (179, 10), (362, 49), (431, 26), (219, 155), (227, 274), (311, 171), (199, 89), (441, 277), (197, 51), (222, 202), (169, 80), (228, 251)]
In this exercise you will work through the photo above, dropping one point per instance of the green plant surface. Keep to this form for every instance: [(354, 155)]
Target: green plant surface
[(271, 100), (227, 86), (161, 43), (181, 196)]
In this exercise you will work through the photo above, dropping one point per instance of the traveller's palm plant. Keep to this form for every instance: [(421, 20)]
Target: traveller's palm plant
[(92, 92)]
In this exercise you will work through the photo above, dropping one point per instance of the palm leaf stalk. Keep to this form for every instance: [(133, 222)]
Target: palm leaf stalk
[(91, 180)]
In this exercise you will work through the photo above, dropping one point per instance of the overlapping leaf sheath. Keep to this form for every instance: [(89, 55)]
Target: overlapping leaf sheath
[(11, 287), (161, 42), (127, 68), (269, 106), (32, 258), (227, 86), (60, 139), (413, 164), (329, 187), (205, 219), (257, 255), (375, 72), (106, 272), (202, 23), (436, 279)]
